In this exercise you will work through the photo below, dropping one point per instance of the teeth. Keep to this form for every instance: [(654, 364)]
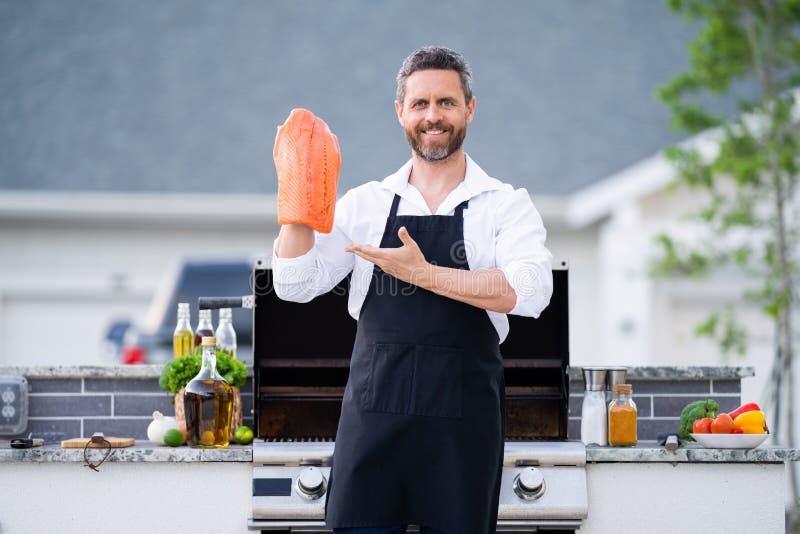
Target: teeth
[(435, 131)]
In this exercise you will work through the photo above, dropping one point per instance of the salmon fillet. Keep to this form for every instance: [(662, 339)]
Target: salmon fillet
[(307, 160)]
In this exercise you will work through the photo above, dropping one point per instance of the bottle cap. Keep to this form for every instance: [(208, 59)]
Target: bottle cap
[(624, 389), (209, 341)]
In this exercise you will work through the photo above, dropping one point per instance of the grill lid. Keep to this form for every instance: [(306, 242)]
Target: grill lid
[(302, 356), (281, 330)]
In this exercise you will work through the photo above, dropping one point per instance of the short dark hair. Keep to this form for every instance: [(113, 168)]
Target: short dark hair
[(436, 58)]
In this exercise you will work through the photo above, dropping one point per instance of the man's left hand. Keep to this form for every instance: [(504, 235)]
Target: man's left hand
[(406, 263)]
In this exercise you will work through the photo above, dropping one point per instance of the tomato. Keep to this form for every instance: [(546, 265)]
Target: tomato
[(737, 431), (702, 426), (723, 424)]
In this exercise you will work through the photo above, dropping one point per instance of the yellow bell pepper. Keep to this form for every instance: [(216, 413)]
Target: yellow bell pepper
[(753, 429), (752, 422)]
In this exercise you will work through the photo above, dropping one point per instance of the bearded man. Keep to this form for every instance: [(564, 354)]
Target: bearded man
[(440, 252)]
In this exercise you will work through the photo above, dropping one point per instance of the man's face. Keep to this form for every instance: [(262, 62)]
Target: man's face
[(434, 113)]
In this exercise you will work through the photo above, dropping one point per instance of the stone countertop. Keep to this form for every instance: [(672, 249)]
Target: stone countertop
[(650, 451), (154, 371), (142, 451), (87, 371), (643, 452), (683, 372)]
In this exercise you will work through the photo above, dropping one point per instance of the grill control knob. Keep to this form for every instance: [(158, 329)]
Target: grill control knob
[(311, 483), (529, 484)]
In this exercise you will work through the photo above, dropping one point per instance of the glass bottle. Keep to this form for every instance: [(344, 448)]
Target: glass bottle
[(204, 327), (594, 423), (622, 417), (226, 335), (208, 403), (183, 339)]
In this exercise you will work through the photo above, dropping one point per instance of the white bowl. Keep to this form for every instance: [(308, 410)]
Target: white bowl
[(730, 441)]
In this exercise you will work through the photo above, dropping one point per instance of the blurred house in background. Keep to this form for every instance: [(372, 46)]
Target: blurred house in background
[(136, 134)]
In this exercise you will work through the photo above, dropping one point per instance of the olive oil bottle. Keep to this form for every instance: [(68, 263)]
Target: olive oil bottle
[(204, 327), (183, 339), (208, 403)]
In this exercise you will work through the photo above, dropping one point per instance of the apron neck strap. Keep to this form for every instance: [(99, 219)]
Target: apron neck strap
[(395, 203), (460, 209)]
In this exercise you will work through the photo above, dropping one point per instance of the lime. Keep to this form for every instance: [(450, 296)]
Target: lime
[(243, 435), (173, 437)]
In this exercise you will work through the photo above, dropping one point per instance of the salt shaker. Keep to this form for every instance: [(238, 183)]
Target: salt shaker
[(594, 412)]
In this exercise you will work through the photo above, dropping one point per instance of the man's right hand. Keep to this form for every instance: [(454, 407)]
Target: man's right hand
[(294, 240)]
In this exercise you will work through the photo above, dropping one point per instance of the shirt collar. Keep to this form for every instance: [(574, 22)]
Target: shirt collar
[(476, 181)]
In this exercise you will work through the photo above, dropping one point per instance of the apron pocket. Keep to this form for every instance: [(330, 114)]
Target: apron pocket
[(438, 382), (390, 378)]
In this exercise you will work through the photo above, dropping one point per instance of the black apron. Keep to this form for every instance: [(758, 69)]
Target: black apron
[(420, 438)]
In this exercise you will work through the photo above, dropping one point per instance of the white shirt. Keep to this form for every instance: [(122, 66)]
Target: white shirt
[(502, 229)]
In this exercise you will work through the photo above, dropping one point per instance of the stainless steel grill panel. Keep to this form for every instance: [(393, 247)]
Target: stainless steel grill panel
[(298, 388), (563, 505)]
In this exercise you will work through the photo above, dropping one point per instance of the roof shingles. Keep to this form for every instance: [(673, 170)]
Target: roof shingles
[(180, 95)]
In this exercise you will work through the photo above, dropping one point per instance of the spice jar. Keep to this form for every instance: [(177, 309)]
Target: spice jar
[(622, 417)]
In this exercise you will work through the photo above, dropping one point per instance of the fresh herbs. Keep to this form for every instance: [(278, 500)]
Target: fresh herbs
[(180, 371)]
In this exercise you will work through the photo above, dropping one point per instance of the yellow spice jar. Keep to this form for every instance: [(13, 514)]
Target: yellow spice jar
[(622, 417)]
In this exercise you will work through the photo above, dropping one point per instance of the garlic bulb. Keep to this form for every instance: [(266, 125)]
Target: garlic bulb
[(159, 426)]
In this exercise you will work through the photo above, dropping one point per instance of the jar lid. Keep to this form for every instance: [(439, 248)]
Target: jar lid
[(209, 341), (623, 388)]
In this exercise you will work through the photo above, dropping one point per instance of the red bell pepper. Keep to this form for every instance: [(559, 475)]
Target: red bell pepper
[(749, 407)]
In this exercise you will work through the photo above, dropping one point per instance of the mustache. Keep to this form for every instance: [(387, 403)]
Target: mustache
[(434, 126)]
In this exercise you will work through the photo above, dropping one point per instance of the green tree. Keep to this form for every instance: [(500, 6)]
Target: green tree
[(749, 179)]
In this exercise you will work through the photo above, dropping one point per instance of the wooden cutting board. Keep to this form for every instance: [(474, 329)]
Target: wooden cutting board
[(79, 443)]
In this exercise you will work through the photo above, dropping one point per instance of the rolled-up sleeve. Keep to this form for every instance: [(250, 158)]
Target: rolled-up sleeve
[(521, 253), (317, 271)]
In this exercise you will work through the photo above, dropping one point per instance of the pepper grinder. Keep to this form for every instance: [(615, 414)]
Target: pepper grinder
[(594, 414), (614, 376)]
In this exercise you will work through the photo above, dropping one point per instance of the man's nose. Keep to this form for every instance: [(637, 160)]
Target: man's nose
[(433, 113)]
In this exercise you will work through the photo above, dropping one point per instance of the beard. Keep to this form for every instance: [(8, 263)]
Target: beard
[(433, 150)]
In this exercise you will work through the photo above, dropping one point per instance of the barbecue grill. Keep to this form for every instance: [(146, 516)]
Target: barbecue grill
[(301, 358)]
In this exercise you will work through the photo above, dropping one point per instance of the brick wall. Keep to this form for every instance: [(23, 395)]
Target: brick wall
[(63, 408), (659, 402)]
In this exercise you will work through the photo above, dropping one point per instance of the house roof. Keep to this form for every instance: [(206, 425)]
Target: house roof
[(176, 96), (652, 174)]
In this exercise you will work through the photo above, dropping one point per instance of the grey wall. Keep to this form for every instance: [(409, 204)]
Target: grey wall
[(184, 95), (65, 408)]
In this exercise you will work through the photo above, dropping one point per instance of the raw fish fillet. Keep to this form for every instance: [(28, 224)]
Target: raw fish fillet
[(307, 160)]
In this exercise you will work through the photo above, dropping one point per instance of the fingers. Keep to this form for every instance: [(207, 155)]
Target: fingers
[(369, 249), (370, 258), (405, 237), (367, 252)]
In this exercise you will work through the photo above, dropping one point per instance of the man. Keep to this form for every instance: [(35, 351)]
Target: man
[(420, 438)]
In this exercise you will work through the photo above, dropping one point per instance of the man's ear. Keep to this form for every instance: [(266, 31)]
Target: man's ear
[(471, 109), (398, 108)]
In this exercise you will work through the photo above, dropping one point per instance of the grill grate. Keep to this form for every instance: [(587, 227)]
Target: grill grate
[(328, 439), (300, 439)]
